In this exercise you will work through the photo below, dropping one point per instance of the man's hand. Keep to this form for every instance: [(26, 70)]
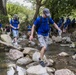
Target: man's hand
[(14, 27), (31, 38), (59, 32)]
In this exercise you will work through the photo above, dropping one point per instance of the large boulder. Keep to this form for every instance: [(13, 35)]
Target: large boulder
[(74, 57), (18, 71), (64, 72), (6, 38), (57, 39), (15, 54), (66, 39), (24, 61), (37, 70), (49, 41), (27, 50), (36, 56)]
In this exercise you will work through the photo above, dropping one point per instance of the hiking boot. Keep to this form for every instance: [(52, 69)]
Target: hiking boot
[(42, 63)]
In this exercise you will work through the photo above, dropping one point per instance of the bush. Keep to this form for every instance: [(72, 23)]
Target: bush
[(4, 19)]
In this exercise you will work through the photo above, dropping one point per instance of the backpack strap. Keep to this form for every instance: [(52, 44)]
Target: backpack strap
[(41, 22), (12, 21)]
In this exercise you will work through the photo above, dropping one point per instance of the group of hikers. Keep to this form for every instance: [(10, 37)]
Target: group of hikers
[(42, 27), (65, 25)]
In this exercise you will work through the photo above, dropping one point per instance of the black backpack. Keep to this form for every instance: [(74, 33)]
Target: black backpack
[(41, 22)]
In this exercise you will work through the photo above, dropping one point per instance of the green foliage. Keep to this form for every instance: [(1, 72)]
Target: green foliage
[(22, 11), (3, 18), (12, 9), (60, 8)]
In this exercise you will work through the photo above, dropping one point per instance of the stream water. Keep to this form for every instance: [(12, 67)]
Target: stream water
[(52, 52)]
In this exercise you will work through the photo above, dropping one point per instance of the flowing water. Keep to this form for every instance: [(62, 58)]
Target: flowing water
[(52, 52)]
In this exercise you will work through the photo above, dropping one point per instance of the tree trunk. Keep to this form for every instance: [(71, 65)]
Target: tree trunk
[(37, 12), (3, 7)]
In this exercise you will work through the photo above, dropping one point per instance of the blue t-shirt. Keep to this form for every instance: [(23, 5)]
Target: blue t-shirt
[(43, 25), (60, 22), (29, 27), (14, 23), (0, 25), (68, 22)]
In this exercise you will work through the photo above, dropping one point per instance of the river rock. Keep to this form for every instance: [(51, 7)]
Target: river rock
[(63, 54), (15, 54), (37, 70), (72, 45), (32, 64), (49, 41), (36, 56), (74, 57), (49, 62), (24, 42), (6, 38), (24, 61), (18, 71), (57, 39), (66, 39), (27, 50), (64, 72), (50, 70)]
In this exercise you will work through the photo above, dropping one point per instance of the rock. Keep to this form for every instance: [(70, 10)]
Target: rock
[(64, 72), (27, 50), (64, 54), (66, 39), (50, 62), (72, 45), (57, 39), (24, 36), (18, 71), (32, 43), (50, 41), (24, 42), (37, 70), (68, 45), (32, 64), (24, 61), (36, 56), (74, 56), (6, 38), (15, 54), (50, 70)]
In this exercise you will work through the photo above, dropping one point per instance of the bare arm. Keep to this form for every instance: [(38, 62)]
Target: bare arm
[(18, 26), (59, 30), (12, 26), (32, 32), (56, 26)]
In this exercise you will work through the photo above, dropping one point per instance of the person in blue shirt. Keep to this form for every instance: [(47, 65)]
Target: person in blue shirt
[(15, 25), (1, 26), (43, 32), (29, 29), (66, 24), (61, 21)]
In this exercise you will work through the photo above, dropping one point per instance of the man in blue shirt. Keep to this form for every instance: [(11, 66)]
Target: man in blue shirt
[(66, 24), (61, 21), (43, 31), (15, 25)]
